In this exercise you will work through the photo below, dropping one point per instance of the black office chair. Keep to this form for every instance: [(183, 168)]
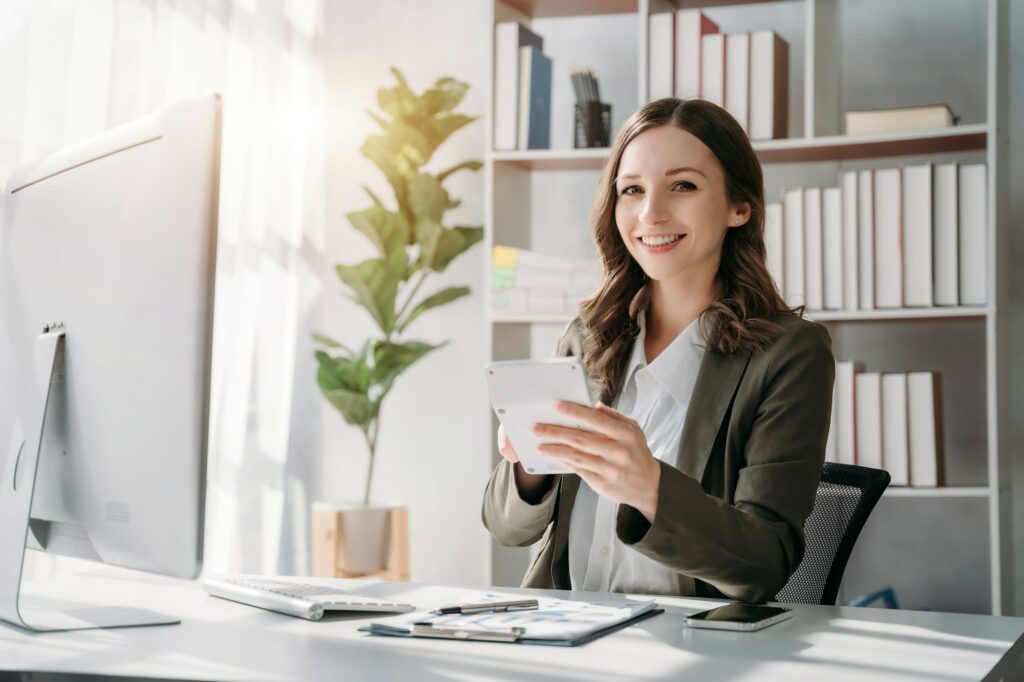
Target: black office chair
[(846, 495)]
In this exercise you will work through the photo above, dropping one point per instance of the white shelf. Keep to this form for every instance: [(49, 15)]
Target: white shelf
[(950, 491), (530, 318), (793, 150), (498, 317), (897, 314), (845, 147)]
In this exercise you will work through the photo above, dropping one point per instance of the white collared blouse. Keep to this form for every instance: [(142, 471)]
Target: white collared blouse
[(657, 396)]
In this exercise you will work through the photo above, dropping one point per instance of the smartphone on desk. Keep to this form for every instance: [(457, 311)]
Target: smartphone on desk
[(525, 392), (738, 617)]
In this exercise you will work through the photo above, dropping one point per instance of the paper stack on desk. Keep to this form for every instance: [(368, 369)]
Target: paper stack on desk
[(556, 622)]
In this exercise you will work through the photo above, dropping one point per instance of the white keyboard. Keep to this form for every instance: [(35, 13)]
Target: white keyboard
[(304, 600)]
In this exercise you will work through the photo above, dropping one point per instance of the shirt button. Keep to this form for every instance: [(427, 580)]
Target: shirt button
[(603, 551)]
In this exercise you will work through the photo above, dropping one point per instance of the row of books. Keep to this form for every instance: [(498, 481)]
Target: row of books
[(890, 421), (522, 89), (887, 238), (527, 282), (747, 73)]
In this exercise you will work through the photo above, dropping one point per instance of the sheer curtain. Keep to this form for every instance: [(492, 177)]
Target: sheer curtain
[(69, 70)]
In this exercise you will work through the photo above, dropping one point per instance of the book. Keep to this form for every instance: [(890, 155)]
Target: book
[(972, 198), (793, 251), (737, 77), (924, 406), (832, 443), (534, 125), (509, 36), (895, 442), (712, 68), (844, 398), (661, 57), (691, 26), (888, 238), (555, 622), (813, 278), (773, 244), (866, 234), (945, 236), (769, 85), (832, 246), (868, 407), (899, 120), (917, 236), (851, 264)]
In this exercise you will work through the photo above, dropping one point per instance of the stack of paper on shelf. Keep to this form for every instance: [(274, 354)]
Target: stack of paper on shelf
[(525, 282), (911, 237), (522, 89), (903, 119), (890, 421), (747, 73)]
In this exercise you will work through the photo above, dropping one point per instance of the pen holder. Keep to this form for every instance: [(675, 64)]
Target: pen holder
[(593, 125)]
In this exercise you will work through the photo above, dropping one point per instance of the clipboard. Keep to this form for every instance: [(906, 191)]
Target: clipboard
[(555, 623)]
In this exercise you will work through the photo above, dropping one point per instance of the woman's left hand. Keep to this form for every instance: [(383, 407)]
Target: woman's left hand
[(612, 455)]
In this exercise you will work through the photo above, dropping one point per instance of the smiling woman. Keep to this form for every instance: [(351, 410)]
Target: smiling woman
[(699, 479)]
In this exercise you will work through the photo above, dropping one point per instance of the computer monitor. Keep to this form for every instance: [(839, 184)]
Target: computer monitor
[(107, 255)]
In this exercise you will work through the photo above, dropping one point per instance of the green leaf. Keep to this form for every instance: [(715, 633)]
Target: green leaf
[(433, 301), (387, 231), (444, 95), (331, 343), (452, 242), (391, 359), (427, 198), (428, 236), (356, 408), (377, 148), (465, 165), (351, 374), (398, 101), (437, 130), (375, 285)]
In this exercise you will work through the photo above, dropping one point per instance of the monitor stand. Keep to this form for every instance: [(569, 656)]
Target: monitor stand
[(16, 490)]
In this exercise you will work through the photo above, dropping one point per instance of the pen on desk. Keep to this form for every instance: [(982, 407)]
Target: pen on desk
[(491, 607)]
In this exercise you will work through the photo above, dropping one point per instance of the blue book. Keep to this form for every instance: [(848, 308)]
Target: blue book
[(534, 99)]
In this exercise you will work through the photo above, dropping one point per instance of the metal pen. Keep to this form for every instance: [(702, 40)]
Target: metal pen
[(492, 607)]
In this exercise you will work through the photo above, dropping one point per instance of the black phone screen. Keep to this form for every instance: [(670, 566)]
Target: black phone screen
[(739, 613)]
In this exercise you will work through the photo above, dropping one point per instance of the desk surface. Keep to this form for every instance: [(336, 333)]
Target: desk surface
[(222, 640)]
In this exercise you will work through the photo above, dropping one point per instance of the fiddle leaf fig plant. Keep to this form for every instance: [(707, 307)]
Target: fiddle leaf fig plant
[(411, 241)]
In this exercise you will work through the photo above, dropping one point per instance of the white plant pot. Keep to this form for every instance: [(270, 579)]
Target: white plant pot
[(351, 538)]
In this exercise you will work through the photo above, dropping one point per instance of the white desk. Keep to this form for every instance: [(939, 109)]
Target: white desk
[(220, 640)]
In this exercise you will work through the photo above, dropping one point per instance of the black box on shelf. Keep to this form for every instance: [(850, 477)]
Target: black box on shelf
[(593, 125)]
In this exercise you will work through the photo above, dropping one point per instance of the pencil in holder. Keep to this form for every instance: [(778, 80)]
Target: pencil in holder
[(593, 124)]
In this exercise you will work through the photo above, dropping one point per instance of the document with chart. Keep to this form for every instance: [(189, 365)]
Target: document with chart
[(555, 622)]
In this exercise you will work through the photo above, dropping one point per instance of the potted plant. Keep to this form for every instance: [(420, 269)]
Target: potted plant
[(411, 243)]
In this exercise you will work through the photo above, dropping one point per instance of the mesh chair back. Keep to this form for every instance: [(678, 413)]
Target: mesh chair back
[(846, 495)]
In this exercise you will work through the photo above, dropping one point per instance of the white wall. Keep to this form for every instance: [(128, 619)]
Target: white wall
[(429, 456)]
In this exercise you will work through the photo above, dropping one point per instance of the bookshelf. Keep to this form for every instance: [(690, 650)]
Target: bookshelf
[(540, 200)]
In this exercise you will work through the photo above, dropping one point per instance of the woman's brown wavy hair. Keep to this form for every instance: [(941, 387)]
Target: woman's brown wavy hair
[(741, 317)]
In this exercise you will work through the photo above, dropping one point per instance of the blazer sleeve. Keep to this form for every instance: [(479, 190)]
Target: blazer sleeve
[(748, 549), (512, 520)]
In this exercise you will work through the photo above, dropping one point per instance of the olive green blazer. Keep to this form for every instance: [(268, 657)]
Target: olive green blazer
[(730, 519)]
